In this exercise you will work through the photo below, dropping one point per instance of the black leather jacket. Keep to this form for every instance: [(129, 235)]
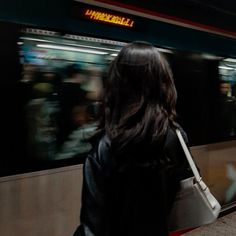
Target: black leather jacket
[(135, 198)]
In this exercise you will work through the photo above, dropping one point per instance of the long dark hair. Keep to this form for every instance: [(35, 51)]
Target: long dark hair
[(140, 97)]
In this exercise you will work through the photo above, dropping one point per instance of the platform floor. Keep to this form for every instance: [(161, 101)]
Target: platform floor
[(225, 225)]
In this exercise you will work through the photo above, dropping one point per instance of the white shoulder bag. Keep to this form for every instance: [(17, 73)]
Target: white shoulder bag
[(194, 204)]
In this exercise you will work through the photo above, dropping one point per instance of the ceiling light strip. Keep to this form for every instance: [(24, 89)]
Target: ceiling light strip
[(73, 49)]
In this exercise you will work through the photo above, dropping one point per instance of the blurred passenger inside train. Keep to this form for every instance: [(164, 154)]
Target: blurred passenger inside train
[(77, 143), (41, 115), (132, 174), (71, 94), (227, 113), (94, 83), (29, 72)]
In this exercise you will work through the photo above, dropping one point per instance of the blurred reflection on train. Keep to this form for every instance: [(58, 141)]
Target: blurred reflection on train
[(64, 80), (41, 113), (62, 86), (227, 96)]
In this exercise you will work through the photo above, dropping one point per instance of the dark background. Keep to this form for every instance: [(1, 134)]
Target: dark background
[(215, 13)]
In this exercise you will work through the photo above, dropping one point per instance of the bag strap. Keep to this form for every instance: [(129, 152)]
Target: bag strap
[(197, 176), (188, 156)]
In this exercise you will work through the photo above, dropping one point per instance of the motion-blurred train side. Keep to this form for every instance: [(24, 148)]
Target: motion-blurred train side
[(53, 69)]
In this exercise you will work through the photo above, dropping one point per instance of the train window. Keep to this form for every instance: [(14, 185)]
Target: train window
[(196, 76), (60, 91), (62, 77), (56, 88), (58, 82), (227, 98)]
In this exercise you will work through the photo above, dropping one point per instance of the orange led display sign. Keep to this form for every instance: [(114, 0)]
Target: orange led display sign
[(108, 18)]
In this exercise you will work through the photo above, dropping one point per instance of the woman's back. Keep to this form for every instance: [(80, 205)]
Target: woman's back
[(135, 197), (131, 176)]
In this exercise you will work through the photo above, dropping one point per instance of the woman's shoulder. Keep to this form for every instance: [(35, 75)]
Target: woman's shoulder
[(101, 150), (172, 139)]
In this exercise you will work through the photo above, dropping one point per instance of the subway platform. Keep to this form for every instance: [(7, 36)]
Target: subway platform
[(225, 225)]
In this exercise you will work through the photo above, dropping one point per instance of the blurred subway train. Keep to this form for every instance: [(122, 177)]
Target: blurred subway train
[(53, 70)]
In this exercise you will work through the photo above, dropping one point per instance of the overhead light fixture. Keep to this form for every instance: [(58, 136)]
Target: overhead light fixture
[(164, 50), (114, 54), (230, 60), (39, 32), (96, 40), (72, 49), (210, 56), (92, 47), (69, 44), (226, 68), (36, 39)]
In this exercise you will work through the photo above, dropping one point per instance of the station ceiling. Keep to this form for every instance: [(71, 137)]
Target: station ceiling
[(214, 13)]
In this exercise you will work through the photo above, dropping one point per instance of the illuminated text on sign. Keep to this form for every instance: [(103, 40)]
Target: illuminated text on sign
[(105, 17)]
